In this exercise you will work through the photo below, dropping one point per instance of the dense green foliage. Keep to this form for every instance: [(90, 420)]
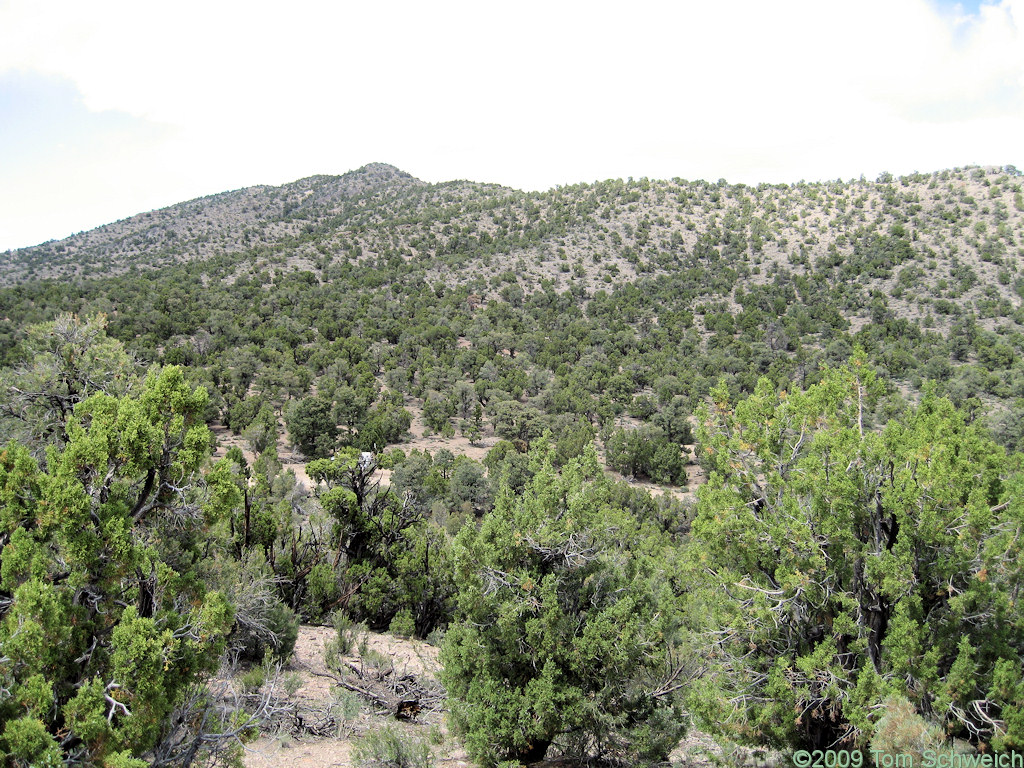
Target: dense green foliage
[(104, 624), (567, 625), (61, 364), (857, 564), (312, 426), (391, 556)]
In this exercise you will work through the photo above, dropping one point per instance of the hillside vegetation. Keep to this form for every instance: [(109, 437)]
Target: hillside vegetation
[(841, 361), (893, 264)]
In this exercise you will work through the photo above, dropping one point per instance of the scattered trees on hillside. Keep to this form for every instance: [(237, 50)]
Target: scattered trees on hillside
[(836, 564)]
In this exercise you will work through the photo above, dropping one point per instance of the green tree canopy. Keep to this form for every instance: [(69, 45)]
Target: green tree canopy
[(568, 627), (845, 565), (62, 363), (105, 627), (312, 427)]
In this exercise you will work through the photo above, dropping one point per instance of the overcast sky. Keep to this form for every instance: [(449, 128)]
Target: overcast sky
[(113, 107)]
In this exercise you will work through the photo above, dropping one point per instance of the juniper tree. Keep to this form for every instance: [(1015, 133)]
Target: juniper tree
[(845, 565), (62, 362), (567, 627), (106, 630)]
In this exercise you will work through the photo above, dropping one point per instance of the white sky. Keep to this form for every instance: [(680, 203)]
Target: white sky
[(113, 107)]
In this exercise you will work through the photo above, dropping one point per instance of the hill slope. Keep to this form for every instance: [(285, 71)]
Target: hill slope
[(647, 279), (951, 235)]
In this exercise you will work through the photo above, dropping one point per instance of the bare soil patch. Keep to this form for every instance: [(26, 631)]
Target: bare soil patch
[(290, 458), (425, 440), (315, 703)]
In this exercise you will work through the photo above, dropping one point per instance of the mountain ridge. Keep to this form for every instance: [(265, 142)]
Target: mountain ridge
[(923, 241), (155, 228)]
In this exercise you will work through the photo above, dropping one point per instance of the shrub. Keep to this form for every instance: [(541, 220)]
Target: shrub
[(349, 636), (568, 625), (262, 622), (396, 558), (312, 427), (901, 731), (323, 591), (646, 452), (403, 625), (283, 629), (861, 564), (276, 634), (387, 748), (253, 679), (107, 628)]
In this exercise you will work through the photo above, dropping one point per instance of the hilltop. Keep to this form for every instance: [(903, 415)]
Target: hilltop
[(922, 240)]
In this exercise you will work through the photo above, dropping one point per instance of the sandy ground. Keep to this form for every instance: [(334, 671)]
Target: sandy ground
[(458, 445), (315, 699), (289, 457)]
